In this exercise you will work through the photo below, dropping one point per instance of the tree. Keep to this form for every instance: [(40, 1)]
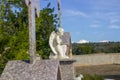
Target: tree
[(13, 33), (85, 49)]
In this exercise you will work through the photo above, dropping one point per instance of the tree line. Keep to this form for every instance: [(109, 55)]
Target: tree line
[(91, 48)]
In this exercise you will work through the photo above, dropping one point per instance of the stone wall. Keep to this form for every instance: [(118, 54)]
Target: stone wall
[(97, 59)]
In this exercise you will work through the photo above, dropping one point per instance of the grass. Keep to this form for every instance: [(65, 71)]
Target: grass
[(92, 77), (108, 71), (113, 69)]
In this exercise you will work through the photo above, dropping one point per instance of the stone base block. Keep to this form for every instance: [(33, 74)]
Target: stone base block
[(40, 70), (66, 69)]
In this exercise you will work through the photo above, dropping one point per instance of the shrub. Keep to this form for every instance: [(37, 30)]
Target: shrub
[(92, 77)]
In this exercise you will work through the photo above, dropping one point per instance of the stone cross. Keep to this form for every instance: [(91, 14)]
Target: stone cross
[(33, 11), (59, 14)]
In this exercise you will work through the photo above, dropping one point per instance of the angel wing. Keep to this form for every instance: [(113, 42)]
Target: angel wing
[(52, 42)]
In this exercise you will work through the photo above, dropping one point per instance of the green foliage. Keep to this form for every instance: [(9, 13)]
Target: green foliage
[(75, 49), (83, 49), (13, 34), (88, 48), (2, 8), (94, 77)]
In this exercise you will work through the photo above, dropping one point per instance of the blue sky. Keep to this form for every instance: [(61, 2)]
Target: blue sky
[(91, 20)]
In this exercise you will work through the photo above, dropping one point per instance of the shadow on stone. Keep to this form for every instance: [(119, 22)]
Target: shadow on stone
[(26, 61)]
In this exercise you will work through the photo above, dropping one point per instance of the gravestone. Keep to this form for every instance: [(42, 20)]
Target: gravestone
[(32, 69), (38, 69), (66, 69), (22, 70), (33, 11), (66, 38)]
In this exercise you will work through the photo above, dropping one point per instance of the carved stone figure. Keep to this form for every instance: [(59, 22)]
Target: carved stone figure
[(58, 48)]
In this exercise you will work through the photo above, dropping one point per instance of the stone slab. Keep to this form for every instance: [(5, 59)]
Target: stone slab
[(66, 69), (66, 39), (40, 70)]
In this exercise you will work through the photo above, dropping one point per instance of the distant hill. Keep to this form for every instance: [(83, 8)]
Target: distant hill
[(101, 47)]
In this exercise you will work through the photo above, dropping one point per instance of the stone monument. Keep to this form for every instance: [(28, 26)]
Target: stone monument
[(60, 41), (58, 47), (60, 44), (32, 69), (55, 69), (33, 10), (22, 70)]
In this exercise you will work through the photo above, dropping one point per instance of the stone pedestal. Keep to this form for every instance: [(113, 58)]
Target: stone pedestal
[(66, 69), (40, 70)]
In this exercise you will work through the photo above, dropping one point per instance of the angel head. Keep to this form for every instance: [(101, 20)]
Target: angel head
[(61, 31)]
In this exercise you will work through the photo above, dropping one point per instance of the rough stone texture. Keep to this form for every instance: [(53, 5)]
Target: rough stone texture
[(33, 10), (97, 59), (66, 38), (59, 14), (40, 70), (66, 69)]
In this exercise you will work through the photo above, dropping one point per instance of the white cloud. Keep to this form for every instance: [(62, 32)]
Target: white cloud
[(73, 41), (104, 41), (75, 13), (83, 41), (115, 27)]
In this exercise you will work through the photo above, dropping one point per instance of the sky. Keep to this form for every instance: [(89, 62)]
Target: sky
[(89, 20)]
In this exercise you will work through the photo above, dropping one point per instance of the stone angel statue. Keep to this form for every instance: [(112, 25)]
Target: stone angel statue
[(58, 48)]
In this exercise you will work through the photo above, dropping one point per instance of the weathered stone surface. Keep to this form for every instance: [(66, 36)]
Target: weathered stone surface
[(66, 69), (97, 59), (40, 70), (33, 10), (66, 38)]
